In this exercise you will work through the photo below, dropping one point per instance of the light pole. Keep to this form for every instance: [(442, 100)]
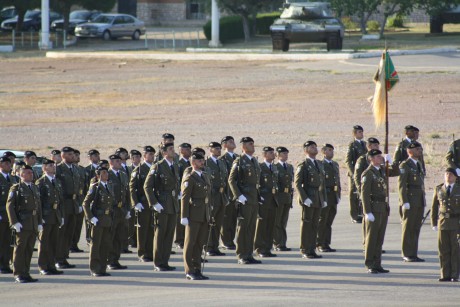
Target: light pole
[(215, 16), (45, 39)]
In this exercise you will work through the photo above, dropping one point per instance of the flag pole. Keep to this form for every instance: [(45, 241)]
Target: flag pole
[(387, 128)]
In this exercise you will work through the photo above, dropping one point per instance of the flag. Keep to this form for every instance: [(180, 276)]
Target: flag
[(385, 79)]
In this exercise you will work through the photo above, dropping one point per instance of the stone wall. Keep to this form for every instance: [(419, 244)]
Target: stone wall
[(155, 13)]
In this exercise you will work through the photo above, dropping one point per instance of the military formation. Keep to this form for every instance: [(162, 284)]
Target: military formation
[(207, 201)]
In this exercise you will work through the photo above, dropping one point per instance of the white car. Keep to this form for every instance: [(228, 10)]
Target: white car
[(111, 26)]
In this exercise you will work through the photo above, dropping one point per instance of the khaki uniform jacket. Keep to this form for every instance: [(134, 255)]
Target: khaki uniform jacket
[(90, 173), (332, 178), (285, 178), (120, 190), (162, 186), (445, 211), (228, 160), (411, 184), (401, 154), (83, 189), (182, 166), (374, 191), (355, 150), (309, 183), (361, 165), (268, 186), (219, 181), (136, 185), (244, 178), (196, 196), (23, 206), (70, 181), (99, 203), (51, 200), (5, 187), (453, 155)]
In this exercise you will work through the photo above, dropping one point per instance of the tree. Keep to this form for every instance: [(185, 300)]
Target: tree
[(434, 7), (99, 5), (391, 7), (363, 9), (243, 8)]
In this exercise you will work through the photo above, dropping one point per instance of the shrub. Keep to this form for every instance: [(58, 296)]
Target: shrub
[(264, 21), (349, 24), (373, 25), (396, 21)]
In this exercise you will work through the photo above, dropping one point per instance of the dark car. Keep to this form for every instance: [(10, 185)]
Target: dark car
[(7, 13), (450, 16), (307, 22), (75, 18), (32, 21)]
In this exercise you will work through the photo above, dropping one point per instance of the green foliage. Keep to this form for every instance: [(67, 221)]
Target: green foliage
[(264, 21), (373, 25), (395, 22), (349, 24)]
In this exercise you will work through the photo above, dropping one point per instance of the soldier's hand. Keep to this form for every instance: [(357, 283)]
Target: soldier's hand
[(388, 159), (435, 228), (139, 207), (184, 221), (94, 220), (43, 221), (128, 215), (62, 222), (307, 202), (40, 228), (242, 199), (158, 207), (406, 206), (17, 227), (324, 204), (370, 217)]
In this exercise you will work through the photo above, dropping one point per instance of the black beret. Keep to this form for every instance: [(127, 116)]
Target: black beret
[(198, 150), (29, 154), (149, 148), (328, 146), (114, 157), (25, 166), (185, 145), (93, 152), (215, 145), (67, 149), (120, 150), (9, 154), (165, 146), (409, 127), (197, 156), (76, 151), (309, 143), (101, 168), (451, 170), (135, 152), (47, 161), (358, 127), (103, 162), (55, 152), (226, 138), (247, 139), (373, 141), (267, 149), (168, 136), (374, 152), (281, 149), (414, 145), (5, 159)]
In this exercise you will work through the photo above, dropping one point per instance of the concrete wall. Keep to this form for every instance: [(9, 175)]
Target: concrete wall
[(156, 11)]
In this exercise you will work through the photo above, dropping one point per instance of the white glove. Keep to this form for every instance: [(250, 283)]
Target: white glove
[(262, 199), (406, 206), (94, 220), (435, 228), (307, 202), (158, 208), (370, 217), (80, 210), (43, 221), (17, 227), (139, 207), (128, 215), (40, 228), (242, 199), (458, 171), (184, 221), (62, 222), (325, 204), (388, 158)]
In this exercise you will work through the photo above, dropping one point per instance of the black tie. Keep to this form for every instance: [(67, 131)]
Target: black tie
[(118, 176), (8, 178), (126, 169), (217, 162), (70, 168), (270, 167), (30, 187), (107, 188), (419, 167), (52, 181), (316, 165), (172, 169), (285, 166), (448, 191)]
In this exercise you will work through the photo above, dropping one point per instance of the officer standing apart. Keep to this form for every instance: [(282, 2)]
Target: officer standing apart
[(411, 188), (244, 181), (184, 163), (376, 210), (195, 216), (25, 216), (162, 190), (98, 211), (445, 218), (453, 157), (309, 184)]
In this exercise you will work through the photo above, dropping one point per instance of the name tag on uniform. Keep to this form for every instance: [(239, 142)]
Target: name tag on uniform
[(55, 206), (336, 188), (206, 200), (221, 190), (107, 212), (286, 190), (120, 204), (273, 191)]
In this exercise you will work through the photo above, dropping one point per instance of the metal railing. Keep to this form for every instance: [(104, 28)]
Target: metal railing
[(173, 39), (31, 39)]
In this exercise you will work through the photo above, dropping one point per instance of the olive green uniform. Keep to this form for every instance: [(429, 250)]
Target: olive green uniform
[(228, 230), (244, 180), (51, 201), (70, 182), (285, 194), (145, 229), (375, 201), (333, 190), (6, 250), (411, 190), (445, 214), (453, 156), (217, 172), (132, 233), (180, 229), (355, 150), (196, 195), (309, 183), (162, 186), (80, 216), (99, 203), (23, 206), (120, 185), (402, 155)]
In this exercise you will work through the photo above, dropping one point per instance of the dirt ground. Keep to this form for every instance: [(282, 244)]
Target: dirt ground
[(105, 104)]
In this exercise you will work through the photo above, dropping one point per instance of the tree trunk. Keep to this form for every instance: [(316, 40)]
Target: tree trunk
[(246, 30), (66, 13), (362, 21), (21, 14), (382, 25), (254, 24)]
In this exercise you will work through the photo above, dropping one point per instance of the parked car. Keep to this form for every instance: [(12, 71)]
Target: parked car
[(450, 16), (75, 18), (7, 13), (111, 26), (307, 22), (32, 21), (20, 157)]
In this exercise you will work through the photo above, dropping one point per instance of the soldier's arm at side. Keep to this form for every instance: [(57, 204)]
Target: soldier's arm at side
[(435, 209), (350, 159), (90, 197), (149, 187), (233, 181), (298, 184), (133, 186), (359, 169), (187, 187), (402, 184), (11, 205), (366, 187), (450, 156)]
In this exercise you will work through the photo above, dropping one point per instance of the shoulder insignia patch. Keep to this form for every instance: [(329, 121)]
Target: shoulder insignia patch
[(186, 184), (364, 179), (11, 194)]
